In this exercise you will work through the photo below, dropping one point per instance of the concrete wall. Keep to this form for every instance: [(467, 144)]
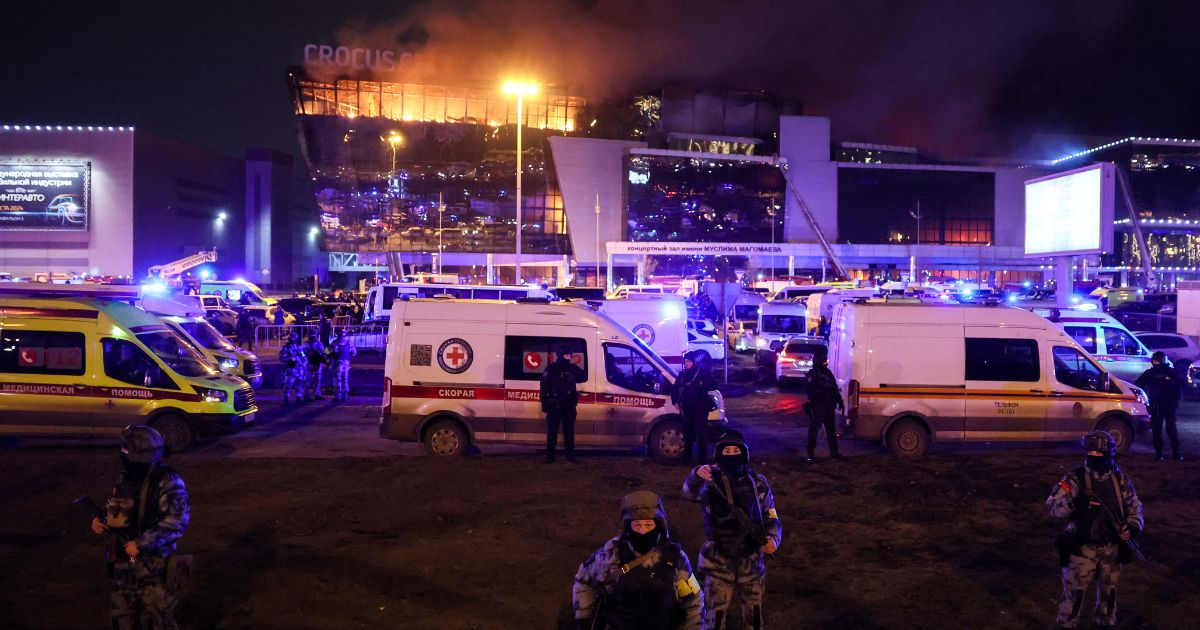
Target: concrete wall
[(107, 247), (1009, 228), (805, 142), (586, 168)]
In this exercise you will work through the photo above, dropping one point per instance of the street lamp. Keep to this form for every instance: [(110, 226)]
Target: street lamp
[(394, 139), (520, 90), (597, 239), (441, 251)]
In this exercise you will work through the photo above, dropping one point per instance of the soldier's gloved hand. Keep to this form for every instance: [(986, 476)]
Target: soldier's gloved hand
[(704, 472), (131, 549), (768, 548), (98, 526), (1126, 533)]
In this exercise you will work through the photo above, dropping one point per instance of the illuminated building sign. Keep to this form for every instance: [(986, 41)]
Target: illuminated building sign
[(346, 57), (36, 195)]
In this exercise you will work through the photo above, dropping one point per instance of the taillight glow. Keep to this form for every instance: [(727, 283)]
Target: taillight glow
[(852, 403), (387, 396)]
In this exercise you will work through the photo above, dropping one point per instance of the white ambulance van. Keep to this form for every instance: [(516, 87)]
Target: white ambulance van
[(913, 373), (463, 372), (658, 320), (778, 322), (1106, 339), (821, 305)]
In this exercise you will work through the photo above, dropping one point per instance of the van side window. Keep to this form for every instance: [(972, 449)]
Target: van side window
[(525, 358), (127, 363), (486, 294), (626, 367), (42, 352), (1085, 336), (1117, 341), (1075, 370), (509, 294), (1002, 360)]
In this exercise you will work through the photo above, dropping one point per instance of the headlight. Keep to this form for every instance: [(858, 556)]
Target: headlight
[(227, 363), (212, 395), (760, 342), (1141, 395)]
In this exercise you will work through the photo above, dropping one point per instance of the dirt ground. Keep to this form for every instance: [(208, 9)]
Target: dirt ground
[(950, 541)]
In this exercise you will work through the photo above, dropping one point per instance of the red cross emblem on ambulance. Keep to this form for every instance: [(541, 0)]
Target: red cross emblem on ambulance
[(645, 333), (455, 355)]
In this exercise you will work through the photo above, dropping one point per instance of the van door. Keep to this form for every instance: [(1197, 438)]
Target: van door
[(635, 392), (1007, 393), (127, 383), (1077, 395), (528, 351), (45, 383), (1123, 356)]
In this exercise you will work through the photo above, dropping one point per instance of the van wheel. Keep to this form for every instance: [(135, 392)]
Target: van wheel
[(666, 440), (908, 438), (1120, 431), (177, 433), (446, 438)]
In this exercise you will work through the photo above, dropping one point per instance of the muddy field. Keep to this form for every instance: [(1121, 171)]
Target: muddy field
[(950, 541)]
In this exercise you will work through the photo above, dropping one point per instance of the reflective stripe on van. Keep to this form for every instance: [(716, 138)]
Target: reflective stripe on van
[(64, 313), (952, 392), (94, 391), (468, 392)]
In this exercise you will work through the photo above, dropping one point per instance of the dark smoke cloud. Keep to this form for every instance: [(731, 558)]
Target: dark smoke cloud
[(928, 73)]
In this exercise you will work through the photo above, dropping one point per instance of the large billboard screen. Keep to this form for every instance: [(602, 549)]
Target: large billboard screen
[(37, 195), (1070, 213)]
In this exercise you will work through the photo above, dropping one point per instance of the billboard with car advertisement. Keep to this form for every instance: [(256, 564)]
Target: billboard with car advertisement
[(45, 195)]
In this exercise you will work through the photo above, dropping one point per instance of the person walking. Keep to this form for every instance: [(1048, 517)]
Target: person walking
[(314, 355), (340, 354), (1164, 387), (1104, 518), (741, 528), (295, 368), (279, 318), (641, 578), (245, 330), (691, 396), (824, 399), (559, 398), (147, 514)]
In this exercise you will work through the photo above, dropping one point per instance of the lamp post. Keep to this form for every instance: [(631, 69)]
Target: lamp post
[(520, 90), (597, 239), (916, 214), (441, 251)]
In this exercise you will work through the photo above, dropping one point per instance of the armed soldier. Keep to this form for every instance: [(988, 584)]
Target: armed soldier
[(639, 579), (824, 399), (315, 357), (294, 368), (560, 398), (1105, 520), (340, 353), (741, 527), (147, 514)]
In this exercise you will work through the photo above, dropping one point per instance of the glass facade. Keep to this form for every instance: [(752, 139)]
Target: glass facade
[(693, 199), (383, 156), (879, 206)]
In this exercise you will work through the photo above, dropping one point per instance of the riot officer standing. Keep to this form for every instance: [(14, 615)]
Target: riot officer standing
[(559, 398), (1164, 387)]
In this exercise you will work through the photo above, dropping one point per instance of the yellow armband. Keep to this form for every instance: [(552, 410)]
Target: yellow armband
[(687, 588)]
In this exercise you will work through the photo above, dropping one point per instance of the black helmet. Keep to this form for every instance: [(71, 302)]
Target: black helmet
[(1100, 441), (640, 505), (1159, 357), (142, 444), (732, 438)]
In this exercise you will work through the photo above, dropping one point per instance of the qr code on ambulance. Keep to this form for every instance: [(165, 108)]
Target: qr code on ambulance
[(420, 354)]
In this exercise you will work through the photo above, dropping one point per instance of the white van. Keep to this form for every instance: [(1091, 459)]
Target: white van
[(378, 306), (778, 322), (913, 373), (625, 290), (659, 321), (462, 372), (1104, 338), (745, 308), (818, 306), (790, 293), (232, 290)]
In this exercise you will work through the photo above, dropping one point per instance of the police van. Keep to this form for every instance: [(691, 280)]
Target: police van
[(915, 373), (378, 304), (1103, 337), (463, 372), (778, 322), (83, 366)]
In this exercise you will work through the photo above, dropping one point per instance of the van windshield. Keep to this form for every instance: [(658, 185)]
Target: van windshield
[(176, 353), (744, 312), (206, 335), (657, 360), (784, 324)]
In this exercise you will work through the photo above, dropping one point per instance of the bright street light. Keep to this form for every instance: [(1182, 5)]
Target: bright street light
[(520, 90), (222, 215)]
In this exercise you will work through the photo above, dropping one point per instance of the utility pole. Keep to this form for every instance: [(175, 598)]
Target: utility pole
[(916, 214), (441, 251), (597, 239)]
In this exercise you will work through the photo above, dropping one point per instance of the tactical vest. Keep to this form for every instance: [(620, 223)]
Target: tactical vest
[(1092, 525), (644, 598), (134, 508), (727, 533)]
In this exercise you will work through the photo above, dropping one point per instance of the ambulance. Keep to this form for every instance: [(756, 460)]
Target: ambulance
[(778, 322), (658, 320), (465, 372), (86, 366), (914, 373), (187, 322)]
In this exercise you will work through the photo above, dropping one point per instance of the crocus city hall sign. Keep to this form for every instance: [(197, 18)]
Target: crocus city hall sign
[(347, 57)]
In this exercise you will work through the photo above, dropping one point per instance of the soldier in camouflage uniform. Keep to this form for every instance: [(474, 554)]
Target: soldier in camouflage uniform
[(315, 357), (639, 579), (340, 352), (147, 513), (1105, 512), (741, 527), (294, 368)]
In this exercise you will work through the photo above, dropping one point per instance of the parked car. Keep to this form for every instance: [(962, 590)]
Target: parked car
[(741, 335), (702, 325), (796, 360), (705, 344), (1182, 350)]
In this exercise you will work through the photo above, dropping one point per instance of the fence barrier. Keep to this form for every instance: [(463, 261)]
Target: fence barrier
[(362, 336)]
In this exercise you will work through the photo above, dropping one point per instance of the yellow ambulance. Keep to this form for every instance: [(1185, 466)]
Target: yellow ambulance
[(89, 366)]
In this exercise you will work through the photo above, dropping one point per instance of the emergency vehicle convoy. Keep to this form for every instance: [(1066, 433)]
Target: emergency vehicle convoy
[(913, 373), (187, 322), (463, 372), (90, 366)]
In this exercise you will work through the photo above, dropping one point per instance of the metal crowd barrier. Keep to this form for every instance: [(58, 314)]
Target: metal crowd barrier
[(362, 336)]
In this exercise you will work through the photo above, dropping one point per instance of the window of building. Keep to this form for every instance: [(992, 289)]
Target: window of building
[(626, 367), (526, 358), (1117, 341), (1002, 360), (1085, 336), (1073, 369), (126, 362), (42, 352), (881, 205)]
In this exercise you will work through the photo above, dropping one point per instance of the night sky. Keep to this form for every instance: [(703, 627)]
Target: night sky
[(954, 77)]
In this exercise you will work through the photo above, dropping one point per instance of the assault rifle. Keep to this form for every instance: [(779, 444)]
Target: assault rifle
[(114, 543), (751, 530), (1117, 525)]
